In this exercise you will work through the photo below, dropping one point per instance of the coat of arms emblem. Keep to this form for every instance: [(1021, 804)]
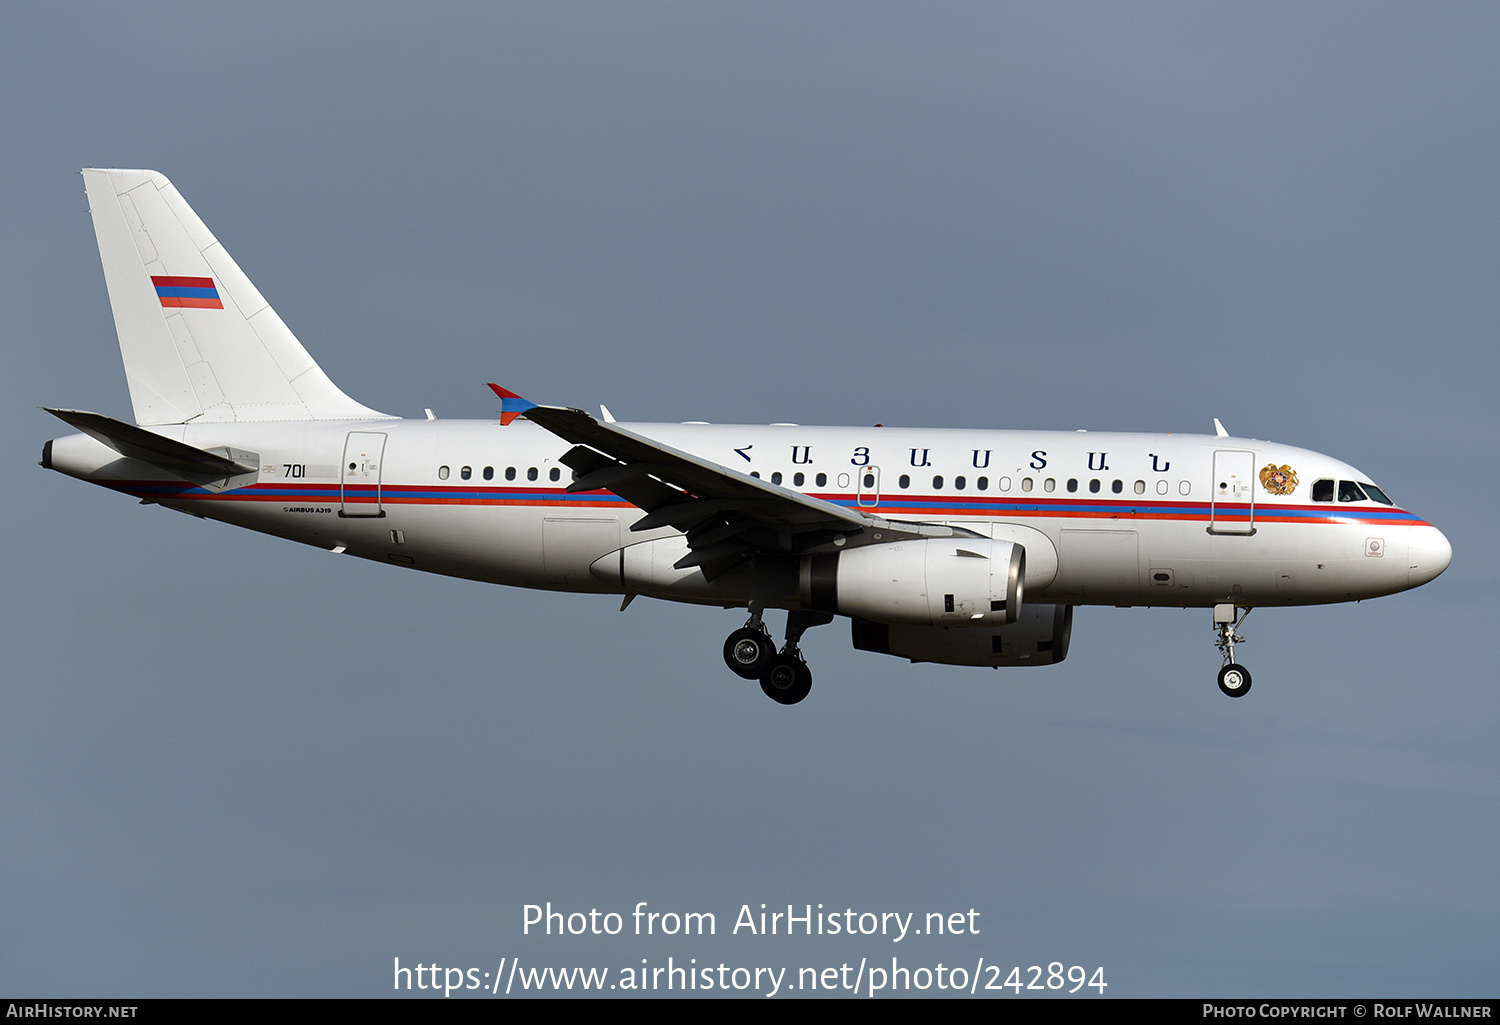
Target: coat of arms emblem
[(1278, 480)]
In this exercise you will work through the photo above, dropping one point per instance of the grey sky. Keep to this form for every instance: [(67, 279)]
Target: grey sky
[(239, 767)]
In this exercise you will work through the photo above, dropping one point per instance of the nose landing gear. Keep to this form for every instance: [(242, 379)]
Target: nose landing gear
[(1234, 679)]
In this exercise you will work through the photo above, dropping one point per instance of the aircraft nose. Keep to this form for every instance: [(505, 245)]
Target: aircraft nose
[(1430, 554)]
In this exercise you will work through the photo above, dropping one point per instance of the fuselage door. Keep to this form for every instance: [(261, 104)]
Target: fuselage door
[(1232, 493), (867, 479), (359, 481)]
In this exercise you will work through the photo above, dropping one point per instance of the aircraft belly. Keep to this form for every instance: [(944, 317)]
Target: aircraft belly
[(1098, 565), (571, 544), (498, 545)]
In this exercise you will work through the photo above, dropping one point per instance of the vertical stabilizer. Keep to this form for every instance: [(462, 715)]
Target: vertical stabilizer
[(199, 342)]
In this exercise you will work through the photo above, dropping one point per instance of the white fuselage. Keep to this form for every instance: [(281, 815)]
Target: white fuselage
[(1114, 519)]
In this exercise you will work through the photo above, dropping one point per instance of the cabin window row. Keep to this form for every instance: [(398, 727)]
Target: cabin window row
[(820, 480), (962, 483), (1049, 484), (1325, 490), (488, 473)]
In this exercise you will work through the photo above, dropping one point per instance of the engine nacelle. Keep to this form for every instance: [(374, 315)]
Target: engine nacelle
[(1038, 638), (959, 582)]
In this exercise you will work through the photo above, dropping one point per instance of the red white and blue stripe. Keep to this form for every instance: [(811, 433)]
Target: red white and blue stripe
[(924, 506)]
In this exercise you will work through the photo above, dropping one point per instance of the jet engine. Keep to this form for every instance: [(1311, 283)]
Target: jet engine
[(958, 582)]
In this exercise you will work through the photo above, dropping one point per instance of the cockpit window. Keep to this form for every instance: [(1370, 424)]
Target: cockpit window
[(1322, 491), (1350, 492), (1376, 493)]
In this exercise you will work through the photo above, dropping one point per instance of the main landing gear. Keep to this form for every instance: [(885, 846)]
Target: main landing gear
[(750, 653), (1234, 679)]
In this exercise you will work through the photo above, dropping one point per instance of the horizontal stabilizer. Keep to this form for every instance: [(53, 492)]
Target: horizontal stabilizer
[(210, 469)]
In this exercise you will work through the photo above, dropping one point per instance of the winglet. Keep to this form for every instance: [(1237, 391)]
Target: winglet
[(1218, 427), (511, 404)]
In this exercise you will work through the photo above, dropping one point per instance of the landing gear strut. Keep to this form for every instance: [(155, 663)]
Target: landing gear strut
[(784, 677), (787, 679), (1234, 679)]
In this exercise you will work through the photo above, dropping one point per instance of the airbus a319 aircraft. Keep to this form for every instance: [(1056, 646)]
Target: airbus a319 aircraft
[(962, 547)]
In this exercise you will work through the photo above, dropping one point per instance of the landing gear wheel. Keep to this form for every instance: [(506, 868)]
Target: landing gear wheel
[(748, 652), (786, 680), (1234, 680)]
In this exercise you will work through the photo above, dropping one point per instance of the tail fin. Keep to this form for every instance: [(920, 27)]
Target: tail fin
[(199, 342)]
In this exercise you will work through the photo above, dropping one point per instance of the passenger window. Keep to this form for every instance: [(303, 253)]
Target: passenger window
[(937, 483), (776, 477), (1349, 492), (983, 483), (959, 482), (821, 480), (1094, 486), (1049, 484), (1072, 484), (1322, 491), (798, 479), (489, 473), (755, 474), (1025, 483), (554, 474), (1004, 483), (442, 473), (510, 473), (869, 480), (1185, 488), (1117, 487), (843, 480), (466, 472), (1140, 487), (904, 481), (531, 473), (1162, 487)]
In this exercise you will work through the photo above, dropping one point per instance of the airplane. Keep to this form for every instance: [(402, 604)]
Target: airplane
[(962, 547)]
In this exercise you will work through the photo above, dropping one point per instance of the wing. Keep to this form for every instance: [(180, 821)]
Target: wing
[(726, 515)]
